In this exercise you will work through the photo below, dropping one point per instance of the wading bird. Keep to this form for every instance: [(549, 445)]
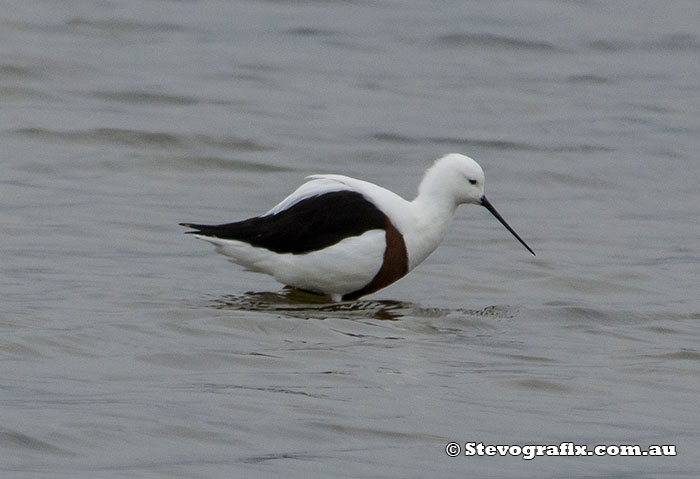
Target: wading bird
[(346, 238)]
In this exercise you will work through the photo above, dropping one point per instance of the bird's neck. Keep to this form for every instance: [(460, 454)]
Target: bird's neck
[(432, 216)]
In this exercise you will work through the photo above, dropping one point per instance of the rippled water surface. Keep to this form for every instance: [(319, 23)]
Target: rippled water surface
[(131, 350)]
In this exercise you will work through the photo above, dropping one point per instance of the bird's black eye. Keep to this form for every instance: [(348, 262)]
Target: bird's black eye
[(472, 181)]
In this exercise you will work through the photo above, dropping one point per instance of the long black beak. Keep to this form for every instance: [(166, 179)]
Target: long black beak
[(487, 204)]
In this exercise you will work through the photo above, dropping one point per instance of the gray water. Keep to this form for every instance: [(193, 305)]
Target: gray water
[(131, 350)]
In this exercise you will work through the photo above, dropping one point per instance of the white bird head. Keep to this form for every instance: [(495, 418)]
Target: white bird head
[(458, 176), (460, 179)]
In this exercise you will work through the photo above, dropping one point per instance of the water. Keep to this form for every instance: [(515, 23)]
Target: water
[(131, 350)]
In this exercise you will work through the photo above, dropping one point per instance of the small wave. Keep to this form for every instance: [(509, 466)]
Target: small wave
[(18, 440), (462, 142), (494, 312), (20, 92), (311, 32), (588, 79), (484, 143), (491, 40), (15, 71), (86, 25), (541, 385), (673, 42), (683, 355), (141, 97), (394, 138), (144, 139), (212, 163), (106, 135)]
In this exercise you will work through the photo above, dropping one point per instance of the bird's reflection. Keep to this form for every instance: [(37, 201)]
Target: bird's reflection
[(296, 303), (304, 305)]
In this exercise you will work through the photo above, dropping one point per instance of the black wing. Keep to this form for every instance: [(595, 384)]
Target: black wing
[(309, 225)]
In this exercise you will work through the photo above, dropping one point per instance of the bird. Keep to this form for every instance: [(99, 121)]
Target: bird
[(345, 238)]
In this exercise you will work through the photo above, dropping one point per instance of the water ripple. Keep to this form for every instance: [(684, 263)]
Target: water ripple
[(491, 40), (142, 97), (671, 42), (208, 163), (294, 303), (142, 139), (118, 26), (472, 143), (18, 440)]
